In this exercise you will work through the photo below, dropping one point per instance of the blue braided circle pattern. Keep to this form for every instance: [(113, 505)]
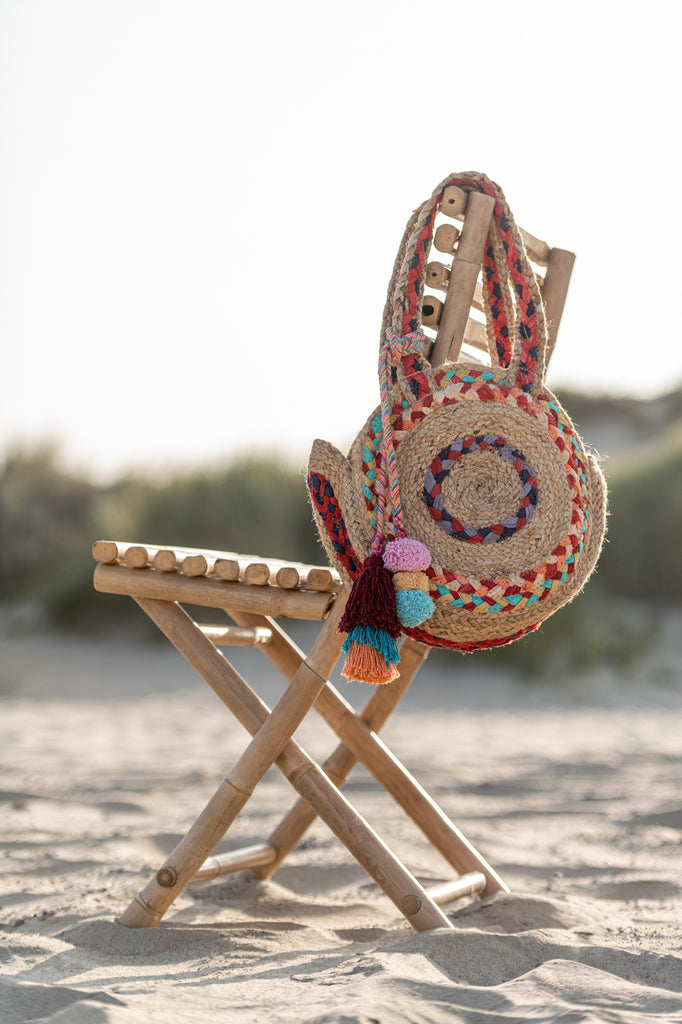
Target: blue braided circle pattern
[(444, 462)]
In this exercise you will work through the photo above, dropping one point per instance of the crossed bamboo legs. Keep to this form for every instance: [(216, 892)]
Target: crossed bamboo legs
[(272, 742)]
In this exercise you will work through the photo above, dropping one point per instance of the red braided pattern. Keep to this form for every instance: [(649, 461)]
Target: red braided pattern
[(415, 285), (468, 647), (528, 326), (527, 586), (500, 325), (329, 510)]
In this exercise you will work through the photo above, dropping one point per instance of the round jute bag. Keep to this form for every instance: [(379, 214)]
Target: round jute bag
[(467, 510)]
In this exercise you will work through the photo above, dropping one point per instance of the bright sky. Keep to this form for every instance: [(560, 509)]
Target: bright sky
[(200, 203)]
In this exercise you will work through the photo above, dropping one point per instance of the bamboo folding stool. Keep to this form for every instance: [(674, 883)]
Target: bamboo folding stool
[(256, 593)]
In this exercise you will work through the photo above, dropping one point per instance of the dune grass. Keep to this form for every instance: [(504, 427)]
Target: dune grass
[(49, 518)]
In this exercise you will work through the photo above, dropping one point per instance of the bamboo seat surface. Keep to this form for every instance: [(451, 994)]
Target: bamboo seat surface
[(258, 592)]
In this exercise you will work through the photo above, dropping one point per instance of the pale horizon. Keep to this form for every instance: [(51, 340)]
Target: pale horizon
[(200, 206)]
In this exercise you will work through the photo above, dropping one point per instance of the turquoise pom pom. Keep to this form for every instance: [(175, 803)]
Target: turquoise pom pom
[(413, 607)]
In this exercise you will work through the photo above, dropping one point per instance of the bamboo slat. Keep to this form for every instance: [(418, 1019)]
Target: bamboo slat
[(237, 636), (105, 551), (165, 560), (259, 574), (228, 566), (227, 569), (554, 290), (194, 565), (470, 884), (432, 310), (213, 593), (463, 276), (320, 579), (235, 860), (136, 557), (287, 577), (437, 276), (475, 335), (537, 250), (455, 201), (445, 238)]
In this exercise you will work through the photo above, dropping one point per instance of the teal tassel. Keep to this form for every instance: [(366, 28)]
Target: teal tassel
[(379, 639)]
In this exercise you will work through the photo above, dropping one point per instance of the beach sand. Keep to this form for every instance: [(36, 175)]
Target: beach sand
[(111, 747)]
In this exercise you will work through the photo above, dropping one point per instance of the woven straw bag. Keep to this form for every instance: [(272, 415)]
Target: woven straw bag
[(467, 510)]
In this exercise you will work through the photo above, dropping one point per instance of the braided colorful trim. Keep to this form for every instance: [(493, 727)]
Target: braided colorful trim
[(326, 504), (324, 500), (440, 469), (371, 451), (528, 326), (538, 582), (468, 647)]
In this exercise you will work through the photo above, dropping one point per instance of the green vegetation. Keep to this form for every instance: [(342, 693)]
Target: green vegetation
[(50, 517)]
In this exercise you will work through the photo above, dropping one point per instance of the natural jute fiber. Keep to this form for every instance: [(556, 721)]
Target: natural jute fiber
[(481, 468)]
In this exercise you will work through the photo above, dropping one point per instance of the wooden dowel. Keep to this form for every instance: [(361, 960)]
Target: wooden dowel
[(445, 238), (288, 577), (475, 335), (432, 309), (195, 565), (437, 276), (136, 557), (227, 569), (477, 301), (257, 573), (213, 593), (455, 201), (237, 636), (105, 551), (537, 250), (235, 860), (165, 560), (465, 268), (225, 565), (470, 884), (319, 579)]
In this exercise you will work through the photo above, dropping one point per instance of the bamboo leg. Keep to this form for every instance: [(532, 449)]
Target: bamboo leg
[(271, 740), (271, 734), (341, 762), (359, 737), (465, 268)]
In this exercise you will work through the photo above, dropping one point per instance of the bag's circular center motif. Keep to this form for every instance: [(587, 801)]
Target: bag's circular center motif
[(497, 487)]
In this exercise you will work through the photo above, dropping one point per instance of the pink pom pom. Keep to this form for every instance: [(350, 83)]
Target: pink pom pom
[(405, 555)]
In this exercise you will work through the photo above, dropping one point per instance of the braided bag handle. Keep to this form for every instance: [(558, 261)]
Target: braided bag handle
[(515, 316)]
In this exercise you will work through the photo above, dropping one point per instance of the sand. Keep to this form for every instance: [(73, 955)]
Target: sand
[(109, 750)]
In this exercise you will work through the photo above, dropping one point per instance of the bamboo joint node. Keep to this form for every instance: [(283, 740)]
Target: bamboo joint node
[(167, 877), (410, 905)]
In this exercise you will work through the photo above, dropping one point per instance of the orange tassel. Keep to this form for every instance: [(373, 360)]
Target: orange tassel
[(367, 665)]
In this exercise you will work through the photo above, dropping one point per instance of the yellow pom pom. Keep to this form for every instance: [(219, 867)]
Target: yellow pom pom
[(411, 581)]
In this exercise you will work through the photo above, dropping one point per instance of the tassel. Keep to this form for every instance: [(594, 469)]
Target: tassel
[(371, 656), (371, 601)]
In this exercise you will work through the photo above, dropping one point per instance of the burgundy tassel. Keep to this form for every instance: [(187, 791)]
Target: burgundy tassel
[(371, 601)]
